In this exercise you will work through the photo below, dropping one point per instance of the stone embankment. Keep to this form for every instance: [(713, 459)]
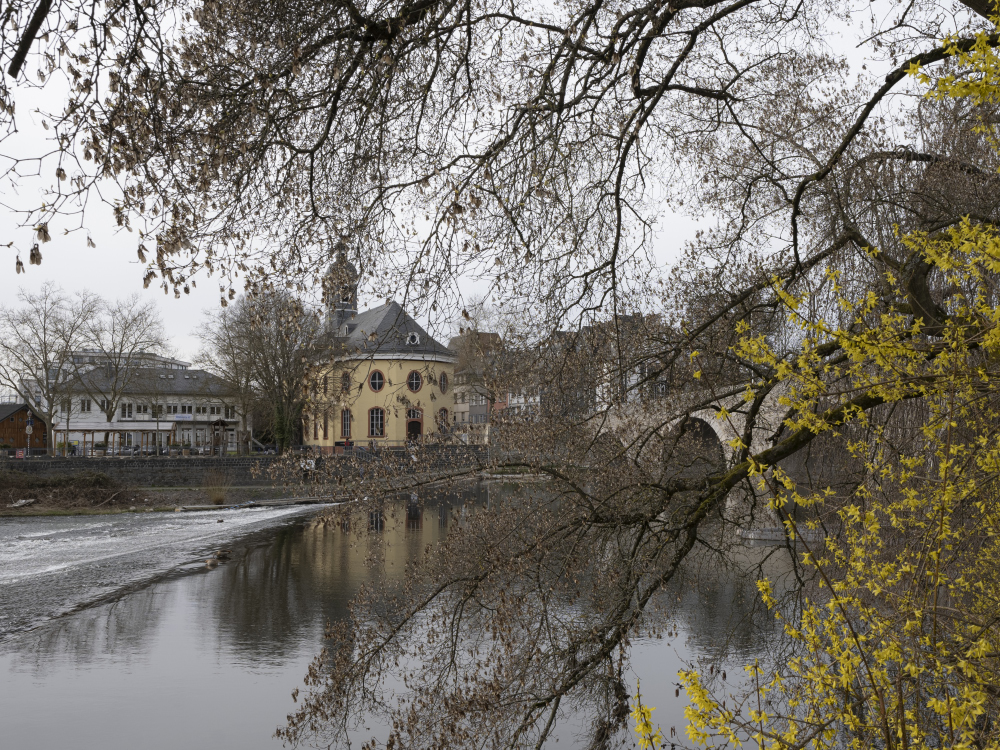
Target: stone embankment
[(245, 471), (252, 471)]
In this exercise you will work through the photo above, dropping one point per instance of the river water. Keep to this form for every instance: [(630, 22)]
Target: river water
[(114, 633)]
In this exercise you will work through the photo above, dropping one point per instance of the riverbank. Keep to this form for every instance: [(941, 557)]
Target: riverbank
[(94, 493), (70, 500)]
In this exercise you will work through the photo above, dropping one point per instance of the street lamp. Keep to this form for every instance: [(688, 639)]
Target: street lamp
[(28, 429)]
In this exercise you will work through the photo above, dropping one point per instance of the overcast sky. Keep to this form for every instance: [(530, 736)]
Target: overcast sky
[(112, 269)]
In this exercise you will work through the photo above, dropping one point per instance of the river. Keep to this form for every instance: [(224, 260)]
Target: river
[(115, 634)]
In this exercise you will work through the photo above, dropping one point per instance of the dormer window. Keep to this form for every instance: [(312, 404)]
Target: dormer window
[(413, 339)]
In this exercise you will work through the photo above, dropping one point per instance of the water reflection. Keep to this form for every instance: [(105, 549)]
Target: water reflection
[(120, 629), (716, 601), (209, 658)]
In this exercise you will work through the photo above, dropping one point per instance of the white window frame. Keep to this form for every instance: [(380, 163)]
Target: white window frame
[(376, 415)]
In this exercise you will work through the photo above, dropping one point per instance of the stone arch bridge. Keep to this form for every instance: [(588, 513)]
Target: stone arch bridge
[(720, 427)]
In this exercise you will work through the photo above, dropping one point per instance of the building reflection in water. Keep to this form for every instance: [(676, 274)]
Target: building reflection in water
[(282, 586), (277, 593), (264, 612)]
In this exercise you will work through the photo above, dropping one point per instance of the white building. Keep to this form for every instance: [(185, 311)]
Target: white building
[(161, 403)]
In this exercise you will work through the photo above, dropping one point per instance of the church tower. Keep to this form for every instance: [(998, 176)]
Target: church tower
[(340, 291)]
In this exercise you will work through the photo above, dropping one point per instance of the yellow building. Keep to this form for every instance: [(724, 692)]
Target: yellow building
[(382, 380)]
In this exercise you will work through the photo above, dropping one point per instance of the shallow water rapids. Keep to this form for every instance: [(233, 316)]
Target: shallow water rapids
[(54, 565)]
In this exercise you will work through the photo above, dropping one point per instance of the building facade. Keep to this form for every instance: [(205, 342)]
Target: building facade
[(479, 391), (159, 407), (381, 379), (471, 400)]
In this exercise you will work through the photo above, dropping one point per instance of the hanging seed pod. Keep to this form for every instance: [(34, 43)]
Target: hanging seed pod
[(42, 230), (36, 256)]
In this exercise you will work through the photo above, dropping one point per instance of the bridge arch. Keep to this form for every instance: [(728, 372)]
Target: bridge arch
[(693, 447)]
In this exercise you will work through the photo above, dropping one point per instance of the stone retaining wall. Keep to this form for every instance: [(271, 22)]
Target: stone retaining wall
[(246, 471), (154, 472)]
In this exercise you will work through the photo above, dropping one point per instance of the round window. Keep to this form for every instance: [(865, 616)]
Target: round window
[(414, 381), (376, 381), (443, 382)]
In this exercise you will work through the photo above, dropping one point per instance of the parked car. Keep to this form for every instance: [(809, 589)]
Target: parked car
[(125, 450)]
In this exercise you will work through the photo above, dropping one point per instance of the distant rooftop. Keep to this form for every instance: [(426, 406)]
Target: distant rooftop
[(161, 382), (96, 357)]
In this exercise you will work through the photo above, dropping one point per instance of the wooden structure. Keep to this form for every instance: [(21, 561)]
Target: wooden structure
[(14, 420)]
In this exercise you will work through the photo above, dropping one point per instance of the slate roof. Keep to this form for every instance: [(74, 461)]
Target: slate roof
[(384, 332), (162, 382), (7, 409)]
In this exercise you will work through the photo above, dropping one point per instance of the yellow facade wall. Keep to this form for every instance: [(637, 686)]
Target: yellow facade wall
[(329, 398)]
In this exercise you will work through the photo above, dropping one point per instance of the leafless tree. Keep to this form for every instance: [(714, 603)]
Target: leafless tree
[(117, 342), (523, 143), (228, 352), (264, 344), (37, 342)]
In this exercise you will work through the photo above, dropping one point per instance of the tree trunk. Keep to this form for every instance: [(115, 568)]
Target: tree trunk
[(982, 7), (50, 447)]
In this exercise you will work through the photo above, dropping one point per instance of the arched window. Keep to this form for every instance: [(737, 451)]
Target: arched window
[(376, 380), (345, 423), (345, 382), (414, 414), (443, 382), (376, 422), (414, 381)]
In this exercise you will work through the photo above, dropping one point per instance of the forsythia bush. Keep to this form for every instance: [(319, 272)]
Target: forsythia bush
[(898, 645)]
